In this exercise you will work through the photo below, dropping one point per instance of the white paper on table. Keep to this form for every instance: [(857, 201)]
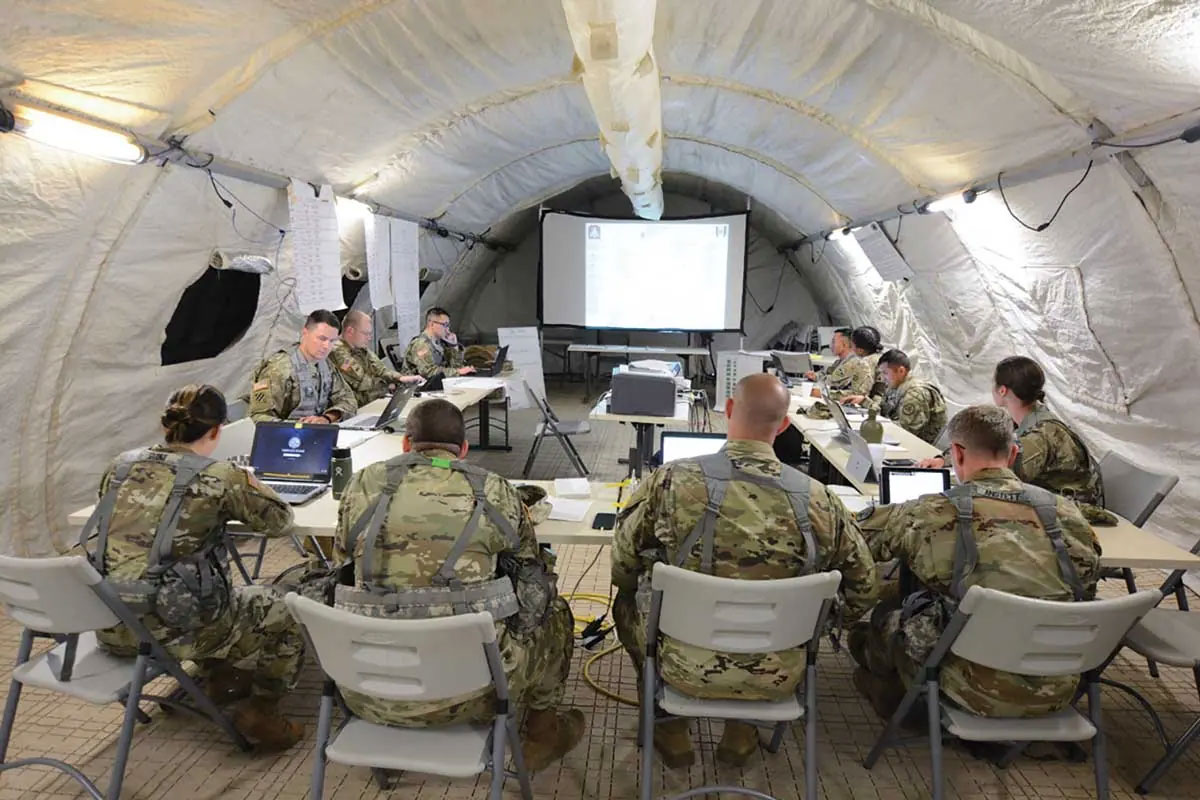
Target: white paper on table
[(474, 383), (567, 510), (406, 277), (377, 234), (354, 438), (525, 353), (572, 487), (316, 261)]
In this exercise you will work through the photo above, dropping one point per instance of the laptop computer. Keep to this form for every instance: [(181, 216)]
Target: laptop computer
[(293, 458), (391, 413), (435, 384), (497, 365), (901, 484), (793, 363), (777, 363), (682, 444)]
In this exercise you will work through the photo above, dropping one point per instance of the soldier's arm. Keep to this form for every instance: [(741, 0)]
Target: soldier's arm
[(356, 499), (914, 412), (1034, 455), (420, 356), (1082, 545), (377, 369), (861, 378), (635, 531), (341, 363), (887, 530), (341, 398), (257, 505), (268, 396), (455, 356), (844, 549)]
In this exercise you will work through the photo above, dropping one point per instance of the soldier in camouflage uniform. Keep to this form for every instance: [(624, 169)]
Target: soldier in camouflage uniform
[(1016, 530), (866, 345), (435, 351), (916, 404), (774, 522), (243, 638), (449, 524), (849, 374), (363, 371), (298, 383)]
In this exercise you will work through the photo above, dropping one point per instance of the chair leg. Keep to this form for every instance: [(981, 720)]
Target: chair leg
[(14, 695), (518, 757), (1131, 587), (810, 734), (579, 465), (572, 454), (203, 703), (324, 722), (1011, 755), (537, 442), (262, 553), (933, 707), (1099, 755), (777, 734), (125, 741), (1146, 784), (890, 731), (499, 729), (647, 727)]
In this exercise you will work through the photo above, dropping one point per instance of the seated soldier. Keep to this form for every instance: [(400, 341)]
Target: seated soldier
[(435, 351), (916, 404), (866, 345), (1026, 541), (298, 383), (242, 638), (773, 522), (363, 371), (849, 374), (450, 524)]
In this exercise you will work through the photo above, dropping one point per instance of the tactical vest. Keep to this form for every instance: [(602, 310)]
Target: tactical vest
[(186, 593), (448, 595), (718, 470), (314, 395), (1041, 416), (893, 398), (966, 550)]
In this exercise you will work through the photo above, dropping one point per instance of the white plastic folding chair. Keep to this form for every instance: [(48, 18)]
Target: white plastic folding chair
[(1028, 637), (411, 660), (561, 430), (65, 599), (735, 616)]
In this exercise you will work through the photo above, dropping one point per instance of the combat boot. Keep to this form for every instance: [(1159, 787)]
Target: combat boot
[(739, 741), (226, 684), (259, 720), (550, 735), (673, 743)]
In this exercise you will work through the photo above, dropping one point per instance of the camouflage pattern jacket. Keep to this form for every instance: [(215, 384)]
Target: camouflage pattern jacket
[(1015, 556), (917, 405), (274, 392), (1055, 458), (428, 358), (756, 538), (222, 492), (878, 385), (363, 371), (850, 375), (426, 516)]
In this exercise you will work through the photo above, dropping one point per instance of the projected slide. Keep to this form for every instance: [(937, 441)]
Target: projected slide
[(633, 274)]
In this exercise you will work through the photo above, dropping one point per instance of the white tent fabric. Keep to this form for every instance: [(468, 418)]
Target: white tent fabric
[(467, 111)]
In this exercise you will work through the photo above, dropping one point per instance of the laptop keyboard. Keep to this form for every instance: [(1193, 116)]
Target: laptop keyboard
[(295, 488)]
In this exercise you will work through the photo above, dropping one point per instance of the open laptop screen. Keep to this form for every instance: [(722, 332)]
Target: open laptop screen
[(901, 484), (285, 450), (677, 445)]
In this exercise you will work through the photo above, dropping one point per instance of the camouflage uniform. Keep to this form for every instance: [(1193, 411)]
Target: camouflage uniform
[(917, 405), (1014, 555), (1055, 458), (428, 511), (878, 384), (849, 375), (275, 391), (429, 358), (756, 538), (363, 371), (253, 630)]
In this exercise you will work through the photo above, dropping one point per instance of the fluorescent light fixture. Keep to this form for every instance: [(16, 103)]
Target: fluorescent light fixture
[(949, 202), (840, 233), (61, 130)]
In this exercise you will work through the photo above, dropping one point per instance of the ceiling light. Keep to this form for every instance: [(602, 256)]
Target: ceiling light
[(839, 233), (948, 202), (59, 129)]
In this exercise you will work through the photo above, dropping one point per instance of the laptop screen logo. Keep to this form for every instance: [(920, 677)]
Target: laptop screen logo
[(294, 443)]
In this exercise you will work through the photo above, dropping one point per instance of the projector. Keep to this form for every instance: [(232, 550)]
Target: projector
[(646, 394)]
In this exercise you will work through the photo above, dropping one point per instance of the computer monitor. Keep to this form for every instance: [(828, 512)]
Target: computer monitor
[(901, 484), (680, 444), (292, 451)]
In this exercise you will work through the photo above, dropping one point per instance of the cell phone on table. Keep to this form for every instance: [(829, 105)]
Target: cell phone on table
[(604, 522), (899, 462)]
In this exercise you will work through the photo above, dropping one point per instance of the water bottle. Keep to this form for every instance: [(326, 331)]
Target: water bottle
[(871, 428), (341, 467)]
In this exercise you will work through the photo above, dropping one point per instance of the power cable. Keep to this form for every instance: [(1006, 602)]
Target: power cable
[(1061, 203)]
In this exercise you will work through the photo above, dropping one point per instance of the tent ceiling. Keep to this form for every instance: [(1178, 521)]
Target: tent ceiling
[(467, 108)]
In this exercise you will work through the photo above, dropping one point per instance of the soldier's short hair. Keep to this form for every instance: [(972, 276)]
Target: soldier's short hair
[(1023, 377), (866, 338), (435, 422), (356, 319), (895, 357), (436, 311), (842, 332), (322, 317), (982, 429), (192, 412)]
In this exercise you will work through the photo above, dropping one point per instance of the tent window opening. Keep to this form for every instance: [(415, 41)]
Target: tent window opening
[(213, 313)]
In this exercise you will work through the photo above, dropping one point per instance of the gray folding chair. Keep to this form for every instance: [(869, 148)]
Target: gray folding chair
[(1028, 637), (57, 598), (551, 425), (736, 616), (410, 659)]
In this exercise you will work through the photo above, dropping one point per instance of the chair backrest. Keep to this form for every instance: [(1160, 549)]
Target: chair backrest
[(236, 410), (741, 616), (53, 595), (398, 659), (1131, 491), (391, 346), (540, 403), (1045, 637), (236, 440)]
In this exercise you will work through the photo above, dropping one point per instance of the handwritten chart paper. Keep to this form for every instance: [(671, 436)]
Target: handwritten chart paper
[(316, 261)]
